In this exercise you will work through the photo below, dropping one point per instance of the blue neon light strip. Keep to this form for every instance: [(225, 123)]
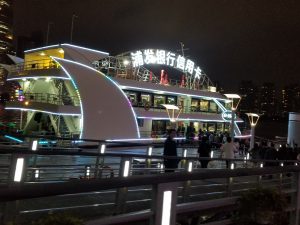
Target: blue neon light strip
[(88, 67), (13, 138)]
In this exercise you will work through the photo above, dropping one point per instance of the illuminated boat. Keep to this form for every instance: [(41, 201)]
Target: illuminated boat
[(72, 91)]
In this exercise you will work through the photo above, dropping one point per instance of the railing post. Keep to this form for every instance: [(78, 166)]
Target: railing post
[(295, 217), (17, 175), (184, 155), (164, 204), (187, 184), (148, 160), (121, 194), (99, 159), (18, 169)]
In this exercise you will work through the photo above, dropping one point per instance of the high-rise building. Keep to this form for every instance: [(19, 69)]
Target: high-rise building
[(290, 99), (249, 93), (6, 37), (267, 100)]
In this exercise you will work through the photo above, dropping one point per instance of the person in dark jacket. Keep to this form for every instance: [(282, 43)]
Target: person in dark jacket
[(170, 149), (204, 151)]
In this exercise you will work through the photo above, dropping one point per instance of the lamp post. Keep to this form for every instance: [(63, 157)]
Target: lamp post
[(48, 32), (72, 27), (235, 100), (173, 118), (253, 118)]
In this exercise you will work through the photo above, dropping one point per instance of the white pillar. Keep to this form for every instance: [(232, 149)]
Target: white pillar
[(252, 137), (232, 125), (294, 129)]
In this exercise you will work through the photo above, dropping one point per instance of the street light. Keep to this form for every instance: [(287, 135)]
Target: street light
[(172, 109), (72, 26), (253, 118), (48, 32), (235, 100)]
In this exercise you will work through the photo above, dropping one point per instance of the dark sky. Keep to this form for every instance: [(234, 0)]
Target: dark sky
[(231, 40)]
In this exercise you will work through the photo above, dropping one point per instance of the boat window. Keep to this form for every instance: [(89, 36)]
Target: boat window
[(132, 96), (145, 98), (204, 105), (158, 100), (195, 105), (213, 107), (172, 100)]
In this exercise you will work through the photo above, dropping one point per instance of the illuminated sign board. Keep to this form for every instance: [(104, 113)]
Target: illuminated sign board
[(163, 57), (227, 115)]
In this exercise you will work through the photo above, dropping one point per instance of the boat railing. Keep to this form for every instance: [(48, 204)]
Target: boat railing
[(35, 65), (48, 98), (186, 109)]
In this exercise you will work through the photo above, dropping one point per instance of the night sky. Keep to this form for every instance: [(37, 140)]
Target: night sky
[(231, 40)]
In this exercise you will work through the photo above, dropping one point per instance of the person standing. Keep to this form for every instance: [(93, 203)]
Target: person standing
[(170, 149), (204, 151), (228, 149)]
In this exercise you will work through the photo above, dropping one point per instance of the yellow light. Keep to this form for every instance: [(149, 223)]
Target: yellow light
[(26, 103), (61, 51), (42, 54)]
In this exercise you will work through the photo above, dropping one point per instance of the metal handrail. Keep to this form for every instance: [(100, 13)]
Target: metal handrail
[(185, 109), (37, 190), (35, 65), (119, 185), (49, 98)]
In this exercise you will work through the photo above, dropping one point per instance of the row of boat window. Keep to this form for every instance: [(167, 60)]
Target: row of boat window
[(141, 99)]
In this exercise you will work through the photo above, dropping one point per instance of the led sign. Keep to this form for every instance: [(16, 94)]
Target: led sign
[(163, 57), (227, 115)]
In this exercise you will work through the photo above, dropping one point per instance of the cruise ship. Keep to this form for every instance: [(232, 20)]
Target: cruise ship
[(73, 91)]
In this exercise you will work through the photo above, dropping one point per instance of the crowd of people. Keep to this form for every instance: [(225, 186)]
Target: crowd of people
[(229, 148)]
